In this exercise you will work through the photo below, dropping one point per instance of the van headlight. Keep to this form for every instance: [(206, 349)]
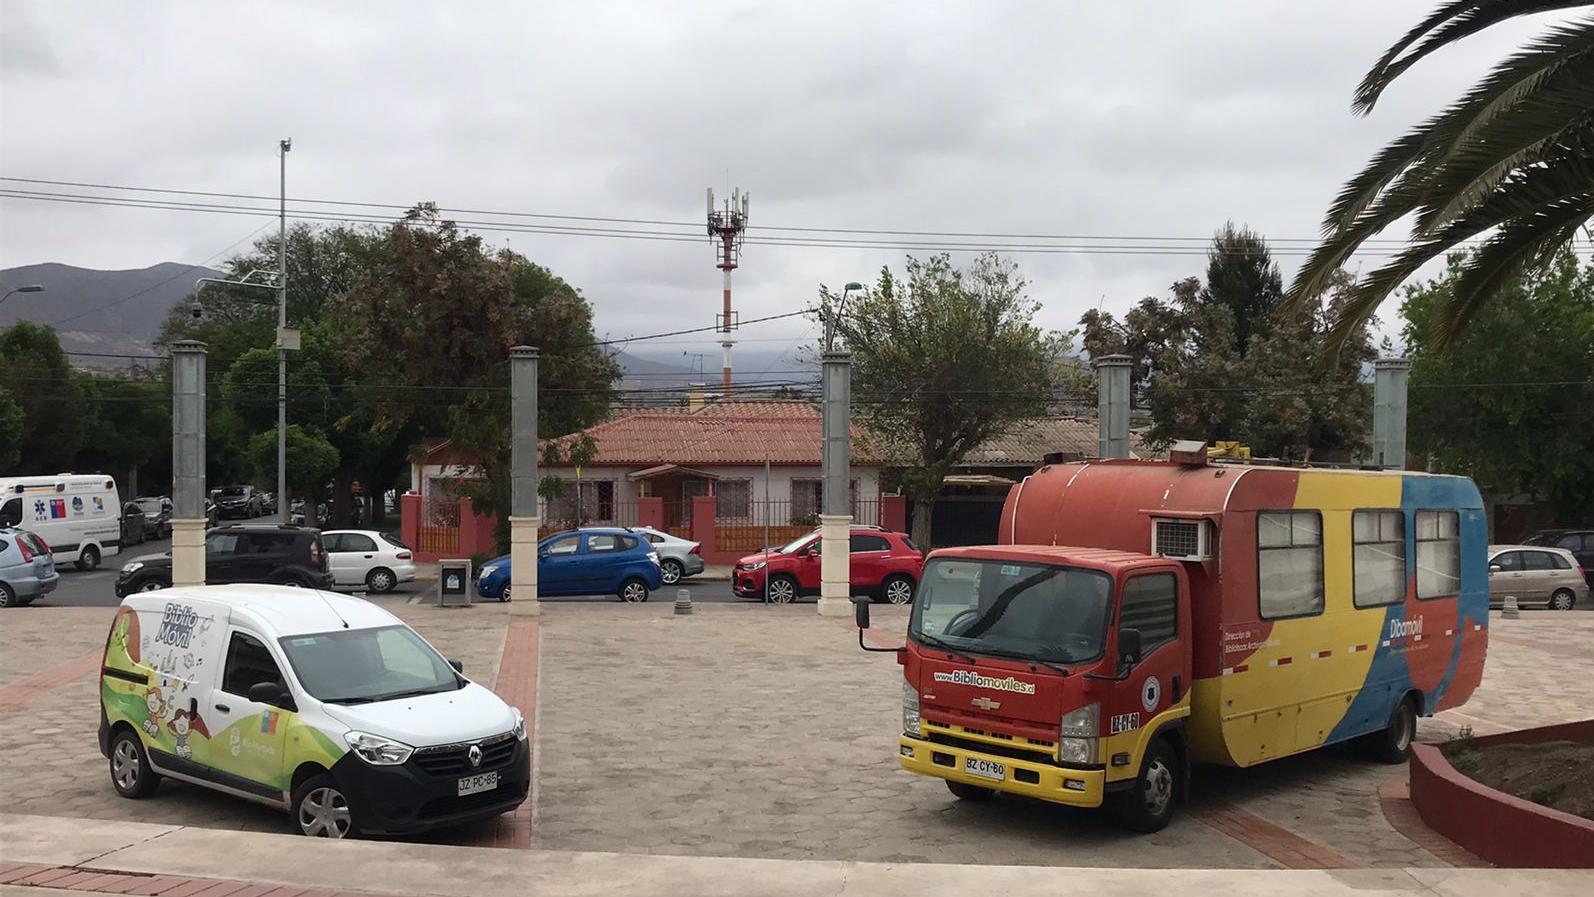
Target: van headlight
[(376, 750), (1078, 734), (520, 725), (910, 709)]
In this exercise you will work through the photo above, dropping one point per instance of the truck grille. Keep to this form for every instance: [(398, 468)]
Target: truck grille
[(454, 759)]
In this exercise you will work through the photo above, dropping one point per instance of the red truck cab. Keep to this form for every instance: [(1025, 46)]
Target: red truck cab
[(1056, 673)]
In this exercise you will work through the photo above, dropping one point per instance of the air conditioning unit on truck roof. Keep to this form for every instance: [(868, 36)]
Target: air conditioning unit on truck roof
[(1181, 540)]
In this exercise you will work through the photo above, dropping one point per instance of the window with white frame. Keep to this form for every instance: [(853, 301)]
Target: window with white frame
[(1438, 554), (1289, 563), (1378, 557)]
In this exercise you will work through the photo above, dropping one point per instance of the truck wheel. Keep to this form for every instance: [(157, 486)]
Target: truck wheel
[(320, 809), (974, 793), (88, 558), (1148, 806), (131, 774), (1393, 744)]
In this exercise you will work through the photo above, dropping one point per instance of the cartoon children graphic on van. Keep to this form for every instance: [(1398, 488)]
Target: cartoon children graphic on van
[(183, 722), (156, 702)]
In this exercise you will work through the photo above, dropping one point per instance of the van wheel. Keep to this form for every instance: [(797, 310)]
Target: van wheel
[(1148, 806), (131, 774), (381, 580), (88, 558), (1563, 599), (898, 590), (634, 591), (1393, 744), (8, 598), (973, 793), (321, 810)]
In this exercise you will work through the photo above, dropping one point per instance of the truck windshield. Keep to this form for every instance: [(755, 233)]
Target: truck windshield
[(1031, 611), (361, 666)]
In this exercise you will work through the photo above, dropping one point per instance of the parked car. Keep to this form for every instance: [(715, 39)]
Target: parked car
[(884, 565), (239, 501), (1536, 575), (1578, 541), (678, 558), (325, 706), (212, 514), (596, 561), (135, 528), (157, 516), (268, 503), (78, 515), (367, 558), (242, 552), (27, 572)]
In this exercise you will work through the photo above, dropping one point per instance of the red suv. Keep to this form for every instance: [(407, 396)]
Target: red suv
[(884, 565)]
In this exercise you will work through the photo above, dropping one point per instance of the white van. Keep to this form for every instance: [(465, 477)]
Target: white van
[(78, 515), (321, 704)]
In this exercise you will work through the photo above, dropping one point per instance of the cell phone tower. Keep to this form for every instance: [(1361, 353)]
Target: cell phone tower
[(725, 226)]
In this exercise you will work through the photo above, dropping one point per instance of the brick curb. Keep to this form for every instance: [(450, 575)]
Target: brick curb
[(99, 881), (1394, 798)]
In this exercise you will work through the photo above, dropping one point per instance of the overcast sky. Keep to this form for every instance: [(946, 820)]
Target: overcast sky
[(1115, 119)]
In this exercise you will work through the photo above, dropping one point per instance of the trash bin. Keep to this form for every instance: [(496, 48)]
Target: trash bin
[(453, 582)]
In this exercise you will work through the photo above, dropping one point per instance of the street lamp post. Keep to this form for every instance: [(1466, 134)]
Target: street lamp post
[(25, 288)]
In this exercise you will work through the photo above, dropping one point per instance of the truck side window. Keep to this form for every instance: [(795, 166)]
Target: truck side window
[(1438, 554), (1151, 605), (1289, 563), (248, 664), (1378, 558)]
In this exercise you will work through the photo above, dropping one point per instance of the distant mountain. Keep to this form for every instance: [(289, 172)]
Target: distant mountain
[(104, 312)]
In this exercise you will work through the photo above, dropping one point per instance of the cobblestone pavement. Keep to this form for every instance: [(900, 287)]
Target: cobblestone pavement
[(764, 732), (64, 773)]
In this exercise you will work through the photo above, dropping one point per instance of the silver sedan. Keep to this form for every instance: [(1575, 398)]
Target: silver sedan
[(678, 558)]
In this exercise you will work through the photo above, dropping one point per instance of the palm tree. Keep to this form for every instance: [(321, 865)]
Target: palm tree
[(1514, 156)]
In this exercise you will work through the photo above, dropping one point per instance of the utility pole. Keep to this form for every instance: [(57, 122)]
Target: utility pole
[(726, 225), (188, 463), (523, 520), (835, 516), (283, 340)]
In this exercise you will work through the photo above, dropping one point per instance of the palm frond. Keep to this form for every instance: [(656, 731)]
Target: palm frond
[(1446, 25)]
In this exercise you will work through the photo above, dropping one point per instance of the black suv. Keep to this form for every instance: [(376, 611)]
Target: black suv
[(1578, 541), (242, 552), (239, 501)]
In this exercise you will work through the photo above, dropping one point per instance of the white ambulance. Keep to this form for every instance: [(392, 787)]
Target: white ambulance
[(78, 515)]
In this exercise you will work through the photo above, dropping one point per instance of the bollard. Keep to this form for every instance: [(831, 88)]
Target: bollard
[(683, 602), (1510, 612)]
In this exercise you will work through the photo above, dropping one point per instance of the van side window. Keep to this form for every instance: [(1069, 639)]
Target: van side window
[(1378, 558), (1438, 554), (1289, 563), (11, 513), (1151, 605), (248, 664)]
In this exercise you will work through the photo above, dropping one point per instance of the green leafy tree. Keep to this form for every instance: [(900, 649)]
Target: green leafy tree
[(11, 420), (944, 359), (1512, 159), (130, 419), (39, 380), (1242, 277), (1509, 402), (311, 459)]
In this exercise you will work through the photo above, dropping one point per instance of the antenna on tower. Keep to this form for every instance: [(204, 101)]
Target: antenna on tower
[(725, 227)]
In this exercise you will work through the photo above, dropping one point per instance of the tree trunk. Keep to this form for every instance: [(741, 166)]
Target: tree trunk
[(923, 513), (342, 495)]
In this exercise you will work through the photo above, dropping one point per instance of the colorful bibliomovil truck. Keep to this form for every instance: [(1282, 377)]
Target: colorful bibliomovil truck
[(1142, 616)]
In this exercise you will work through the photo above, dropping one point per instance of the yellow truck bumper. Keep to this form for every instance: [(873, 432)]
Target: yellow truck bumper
[(1074, 787)]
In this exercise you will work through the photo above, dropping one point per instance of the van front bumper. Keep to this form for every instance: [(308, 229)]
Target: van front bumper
[(1040, 780), (403, 799)]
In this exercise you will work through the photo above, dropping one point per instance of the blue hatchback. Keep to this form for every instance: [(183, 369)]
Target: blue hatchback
[(594, 561)]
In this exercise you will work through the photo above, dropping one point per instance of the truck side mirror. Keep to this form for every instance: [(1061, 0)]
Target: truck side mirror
[(1129, 646), (860, 610)]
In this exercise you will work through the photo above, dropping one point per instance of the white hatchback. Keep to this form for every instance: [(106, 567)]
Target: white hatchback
[(365, 558)]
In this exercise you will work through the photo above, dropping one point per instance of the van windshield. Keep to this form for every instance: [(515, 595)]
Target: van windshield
[(361, 666), (1002, 608)]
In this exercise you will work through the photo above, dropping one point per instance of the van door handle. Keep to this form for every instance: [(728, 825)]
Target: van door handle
[(223, 708)]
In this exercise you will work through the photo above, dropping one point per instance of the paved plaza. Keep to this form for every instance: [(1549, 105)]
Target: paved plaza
[(763, 732)]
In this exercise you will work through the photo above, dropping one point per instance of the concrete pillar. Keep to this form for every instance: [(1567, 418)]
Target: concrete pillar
[(835, 518), (188, 463), (1390, 377), (1112, 406), (523, 520)]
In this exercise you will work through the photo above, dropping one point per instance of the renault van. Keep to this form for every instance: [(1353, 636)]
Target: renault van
[(321, 704)]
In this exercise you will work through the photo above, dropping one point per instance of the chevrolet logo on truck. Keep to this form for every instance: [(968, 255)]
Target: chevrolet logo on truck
[(969, 677)]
